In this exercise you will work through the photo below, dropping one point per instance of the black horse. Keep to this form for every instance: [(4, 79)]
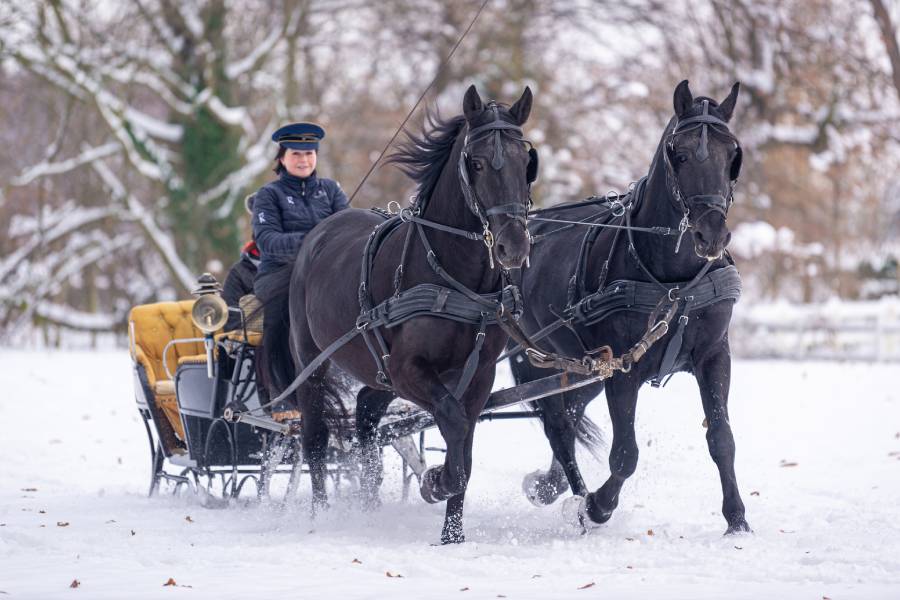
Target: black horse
[(473, 193), (690, 184)]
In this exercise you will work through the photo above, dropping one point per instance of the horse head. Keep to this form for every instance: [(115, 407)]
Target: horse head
[(703, 160), (496, 169)]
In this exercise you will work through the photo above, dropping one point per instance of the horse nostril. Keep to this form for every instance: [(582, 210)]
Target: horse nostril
[(501, 249), (700, 237)]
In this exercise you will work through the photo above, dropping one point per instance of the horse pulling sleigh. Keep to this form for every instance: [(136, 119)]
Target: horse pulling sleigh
[(439, 296)]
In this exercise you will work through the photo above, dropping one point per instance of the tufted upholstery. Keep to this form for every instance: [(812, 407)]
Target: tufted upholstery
[(151, 327)]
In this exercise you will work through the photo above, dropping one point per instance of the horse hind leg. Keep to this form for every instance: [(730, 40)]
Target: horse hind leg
[(559, 414), (371, 404), (314, 438)]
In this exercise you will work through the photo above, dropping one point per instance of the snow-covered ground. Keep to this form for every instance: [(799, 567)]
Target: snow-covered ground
[(818, 465)]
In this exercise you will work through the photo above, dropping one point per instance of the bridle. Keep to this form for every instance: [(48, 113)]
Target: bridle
[(517, 212), (711, 202)]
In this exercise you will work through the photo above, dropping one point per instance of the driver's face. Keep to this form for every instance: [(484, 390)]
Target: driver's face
[(299, 163)]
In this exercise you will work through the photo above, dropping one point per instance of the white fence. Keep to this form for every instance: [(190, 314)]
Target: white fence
[(834, 330)]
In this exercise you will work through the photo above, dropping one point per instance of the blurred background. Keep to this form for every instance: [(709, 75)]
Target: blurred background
[(131, 132)]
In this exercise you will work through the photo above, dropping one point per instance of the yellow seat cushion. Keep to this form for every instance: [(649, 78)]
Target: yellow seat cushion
[(150, 328)]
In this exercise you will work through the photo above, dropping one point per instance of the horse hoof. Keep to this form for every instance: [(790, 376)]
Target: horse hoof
[(575, 511), (430, 480), (370, 502), (539, 490), (572, 508), (739, 527), (452, 537)]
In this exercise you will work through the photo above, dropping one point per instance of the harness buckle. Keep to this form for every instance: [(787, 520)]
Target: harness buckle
[(405, 214), (488, 238), (673, 294), (683, 320), (617, 208), (394, 207)]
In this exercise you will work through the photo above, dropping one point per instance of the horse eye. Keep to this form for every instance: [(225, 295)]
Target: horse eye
[(477, 165), (682, 158)]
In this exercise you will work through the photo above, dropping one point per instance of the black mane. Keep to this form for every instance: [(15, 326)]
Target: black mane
[(422, 158)]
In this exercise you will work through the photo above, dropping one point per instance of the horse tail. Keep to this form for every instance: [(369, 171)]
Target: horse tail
[(332, 386), (587, 432), (590, 436)]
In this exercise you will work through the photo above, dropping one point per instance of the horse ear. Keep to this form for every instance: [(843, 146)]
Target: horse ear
[(683, 99), (522, 108), (472, 104), (726, 106)]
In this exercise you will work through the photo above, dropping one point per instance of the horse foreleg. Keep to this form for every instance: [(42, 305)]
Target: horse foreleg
[(714, 378), (371, 404), (416, 380), (621, 397), (474, 401)]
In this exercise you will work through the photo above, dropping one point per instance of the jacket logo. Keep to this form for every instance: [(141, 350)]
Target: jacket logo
[(290, 199), (320, 193), (262, 217)]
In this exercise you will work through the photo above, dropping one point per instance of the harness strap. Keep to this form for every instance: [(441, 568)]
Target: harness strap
[(674, 346), (471, 365), (311, 368), (408, 215)]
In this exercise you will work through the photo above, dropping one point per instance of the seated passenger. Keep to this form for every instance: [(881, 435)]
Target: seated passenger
[(239, 281)]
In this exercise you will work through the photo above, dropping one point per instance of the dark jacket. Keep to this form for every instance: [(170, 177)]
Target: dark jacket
[(286, 210), (239, 282)]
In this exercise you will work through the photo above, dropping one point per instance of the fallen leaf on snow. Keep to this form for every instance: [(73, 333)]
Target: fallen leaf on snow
[(535, 576), (464, 589), (628, 567), (42, 511), (189, 519), (893, 453), (389, 574), (110, 521), (754, 493), (630, 539), (650, 532), (785, 463), (356, 561), (501, 596), (75, 583), (62, 523), (738, 547), (133, 532), (170, 582), (29, 489), (586, 586)]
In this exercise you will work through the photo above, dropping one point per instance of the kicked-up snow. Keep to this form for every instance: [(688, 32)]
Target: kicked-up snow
[(818, 463)]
